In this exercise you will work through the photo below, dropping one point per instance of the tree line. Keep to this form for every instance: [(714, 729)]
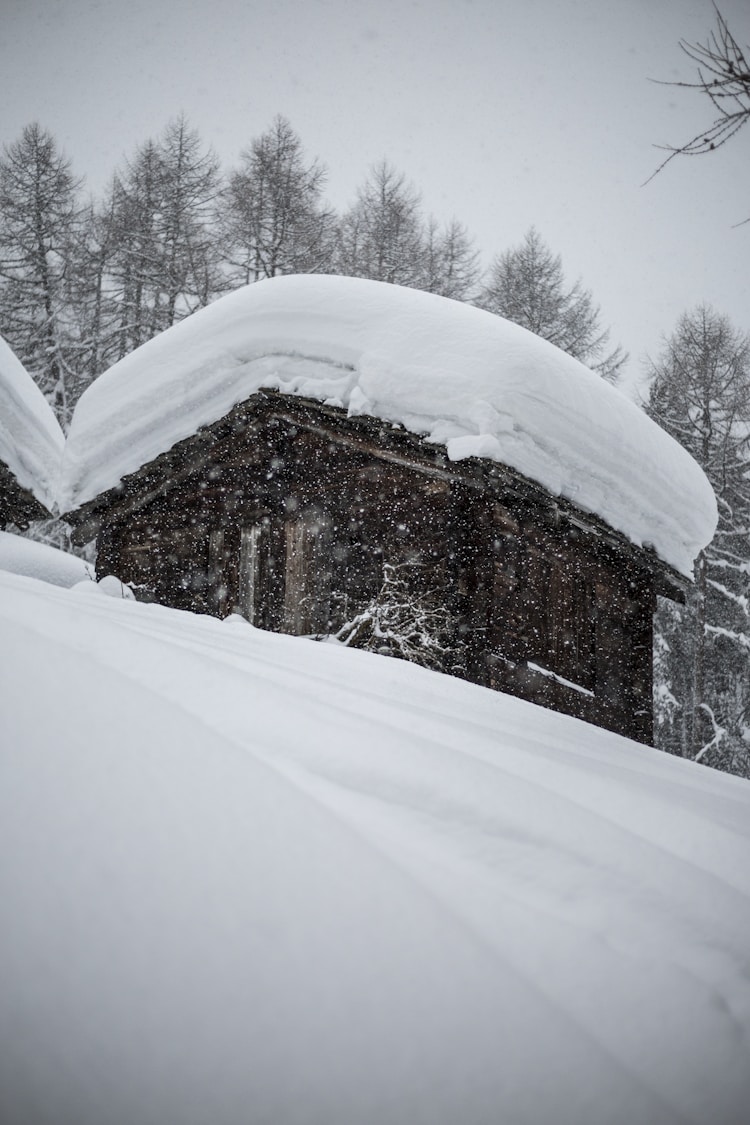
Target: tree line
[(85, 281)]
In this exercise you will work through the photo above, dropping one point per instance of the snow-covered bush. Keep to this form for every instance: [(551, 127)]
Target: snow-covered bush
[(405, 620), (54, 532)]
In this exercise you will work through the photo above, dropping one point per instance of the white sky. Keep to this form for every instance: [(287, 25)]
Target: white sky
[(504, 113)]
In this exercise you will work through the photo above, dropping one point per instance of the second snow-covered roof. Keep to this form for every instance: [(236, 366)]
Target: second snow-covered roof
[(463, 378), (31, 441)]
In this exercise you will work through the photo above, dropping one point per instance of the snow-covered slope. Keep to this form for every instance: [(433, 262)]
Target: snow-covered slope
[(248, 878), (31, 441), (469, 380), (37, 560)]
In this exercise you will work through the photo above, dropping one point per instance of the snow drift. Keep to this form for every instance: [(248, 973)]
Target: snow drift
[(36, 560), (464, 378), (248, 878)]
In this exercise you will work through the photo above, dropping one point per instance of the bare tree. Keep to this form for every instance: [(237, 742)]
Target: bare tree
[(40, 223), (382, 234), (526, 285), (274, 218), (701, 395), (724, 78), (405, 620), (190, 187), (155, 240), (451, 262)]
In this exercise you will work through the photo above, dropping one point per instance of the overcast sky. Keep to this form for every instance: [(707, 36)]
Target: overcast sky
[(504, 113)]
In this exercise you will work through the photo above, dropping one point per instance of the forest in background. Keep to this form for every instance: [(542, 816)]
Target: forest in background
[(85, 281)]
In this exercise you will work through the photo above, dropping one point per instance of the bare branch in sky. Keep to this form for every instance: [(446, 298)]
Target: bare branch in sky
[(724, 77)]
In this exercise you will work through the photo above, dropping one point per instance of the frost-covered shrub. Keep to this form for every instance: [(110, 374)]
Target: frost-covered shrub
[(405, 620), (54, 532)]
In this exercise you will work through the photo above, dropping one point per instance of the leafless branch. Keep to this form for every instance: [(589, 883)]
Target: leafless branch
[(724, 77)]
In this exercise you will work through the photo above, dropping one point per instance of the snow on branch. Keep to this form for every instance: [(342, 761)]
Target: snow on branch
[(719, 733), (741, 639), (403, 621), (738, 599)]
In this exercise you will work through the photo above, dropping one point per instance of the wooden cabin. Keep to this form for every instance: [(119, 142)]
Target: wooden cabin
[(331, 456), (287, 511)]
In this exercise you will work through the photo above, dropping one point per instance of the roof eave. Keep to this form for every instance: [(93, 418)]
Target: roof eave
[(191, 454)]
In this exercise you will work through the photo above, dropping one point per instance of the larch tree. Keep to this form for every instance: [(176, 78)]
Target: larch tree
[(132, 273), (382, 235), (273, 215), (95, 248), (450, 261), (190, 188), (526, 284), (40, 226), (700, 394), (157, 228)]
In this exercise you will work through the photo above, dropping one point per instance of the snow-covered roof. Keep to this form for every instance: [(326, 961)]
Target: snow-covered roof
[(466, 379), (31, 441)]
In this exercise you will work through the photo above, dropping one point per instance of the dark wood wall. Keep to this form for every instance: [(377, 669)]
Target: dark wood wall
[(17, 505), (288, 517)]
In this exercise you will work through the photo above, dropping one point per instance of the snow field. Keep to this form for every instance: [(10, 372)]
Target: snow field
[(250, 877)]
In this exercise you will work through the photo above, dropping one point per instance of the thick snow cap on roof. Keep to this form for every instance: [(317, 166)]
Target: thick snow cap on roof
[(466, 379), (31, 441)]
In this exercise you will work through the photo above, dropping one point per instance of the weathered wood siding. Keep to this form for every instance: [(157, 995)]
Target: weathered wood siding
[(17, 505)]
